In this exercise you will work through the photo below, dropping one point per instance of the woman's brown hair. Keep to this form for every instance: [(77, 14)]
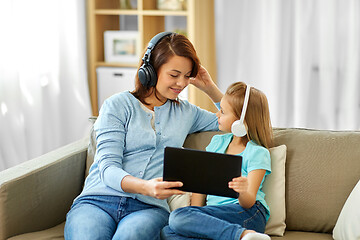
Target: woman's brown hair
[(257, 117), (169, 46)]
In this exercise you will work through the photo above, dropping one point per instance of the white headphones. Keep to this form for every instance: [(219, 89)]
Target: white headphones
[(238, 127)]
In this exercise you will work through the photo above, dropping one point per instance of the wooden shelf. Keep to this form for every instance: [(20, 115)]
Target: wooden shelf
[(138, 12), (114, 64), (115, 12), (162, 13), (103, 15)]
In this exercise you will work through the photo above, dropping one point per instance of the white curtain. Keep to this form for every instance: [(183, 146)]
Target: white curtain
[(303, 54), (44, 102)]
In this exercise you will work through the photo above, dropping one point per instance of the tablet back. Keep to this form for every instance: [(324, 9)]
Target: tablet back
[(201, 171)]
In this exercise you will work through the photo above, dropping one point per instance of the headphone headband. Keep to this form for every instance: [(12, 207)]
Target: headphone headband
[(246, 101), (152, 44), (147, 74), (238, 128)]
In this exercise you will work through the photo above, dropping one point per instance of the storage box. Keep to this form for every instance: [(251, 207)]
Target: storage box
[(112, 80)]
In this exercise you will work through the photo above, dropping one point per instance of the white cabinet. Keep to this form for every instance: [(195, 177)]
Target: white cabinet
[(112, 80)]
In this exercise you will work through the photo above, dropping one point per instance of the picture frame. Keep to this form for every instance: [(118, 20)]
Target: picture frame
[(174, 5), (121, 46)]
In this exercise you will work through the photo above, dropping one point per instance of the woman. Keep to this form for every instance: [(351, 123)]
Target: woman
[(124, 196)]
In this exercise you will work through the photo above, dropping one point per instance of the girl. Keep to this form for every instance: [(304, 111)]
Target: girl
[(228, 218), (124, 196)]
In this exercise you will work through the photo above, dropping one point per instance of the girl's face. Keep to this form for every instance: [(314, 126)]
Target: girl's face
[(173, 77), (226, 115)]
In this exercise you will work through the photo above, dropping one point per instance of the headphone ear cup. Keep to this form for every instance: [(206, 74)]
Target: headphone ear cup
[(142, 75), (147, 75), (152, 76), (238, 128)]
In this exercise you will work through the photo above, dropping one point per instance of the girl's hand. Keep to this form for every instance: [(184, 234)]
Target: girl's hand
[(160, 189), (239, 184), (204, 82)]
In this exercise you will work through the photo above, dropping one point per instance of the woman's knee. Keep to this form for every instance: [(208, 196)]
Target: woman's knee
[(83, 221)]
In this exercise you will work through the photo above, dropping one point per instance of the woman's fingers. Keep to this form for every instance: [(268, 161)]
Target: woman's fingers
[(164, 189)]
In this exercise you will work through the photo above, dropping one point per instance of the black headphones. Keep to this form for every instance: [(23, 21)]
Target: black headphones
[(147, 74)]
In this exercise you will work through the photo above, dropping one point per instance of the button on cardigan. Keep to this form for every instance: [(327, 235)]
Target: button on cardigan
[(127, 144)]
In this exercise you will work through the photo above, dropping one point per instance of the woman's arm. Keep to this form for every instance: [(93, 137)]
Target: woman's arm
[(198, 199), (247, 187), (204, 82), (111, 131)]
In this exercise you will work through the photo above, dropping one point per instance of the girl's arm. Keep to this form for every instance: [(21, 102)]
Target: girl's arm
[(247, 187), (198, 199), (204, 82)]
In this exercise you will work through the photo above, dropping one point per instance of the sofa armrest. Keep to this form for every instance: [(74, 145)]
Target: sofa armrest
[(37, 194)]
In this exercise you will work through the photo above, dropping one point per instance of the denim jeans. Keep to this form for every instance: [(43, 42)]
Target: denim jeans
[(214, 222), (110, 217)]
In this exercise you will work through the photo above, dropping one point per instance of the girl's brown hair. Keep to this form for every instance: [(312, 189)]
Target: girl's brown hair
[(169, 46), (257, 117)]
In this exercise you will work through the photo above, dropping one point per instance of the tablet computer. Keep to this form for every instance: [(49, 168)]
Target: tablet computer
[(201, 171)]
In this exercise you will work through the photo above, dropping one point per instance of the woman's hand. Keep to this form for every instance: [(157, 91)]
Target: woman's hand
[(204, 82), (160, 189), (239, 184)]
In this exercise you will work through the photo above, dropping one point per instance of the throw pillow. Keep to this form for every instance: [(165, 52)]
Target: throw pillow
[(347, 225), (274, 189)]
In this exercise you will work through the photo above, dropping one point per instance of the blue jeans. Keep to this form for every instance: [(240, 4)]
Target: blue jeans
[(110, 217), (214, 222)]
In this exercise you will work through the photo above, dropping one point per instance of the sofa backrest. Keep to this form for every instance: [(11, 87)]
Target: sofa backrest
[(322, 167)]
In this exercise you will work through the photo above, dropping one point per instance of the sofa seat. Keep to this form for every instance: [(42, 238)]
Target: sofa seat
[(57, 232), (295, 235)]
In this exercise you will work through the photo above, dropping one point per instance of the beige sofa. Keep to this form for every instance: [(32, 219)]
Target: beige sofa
[(322, 167)]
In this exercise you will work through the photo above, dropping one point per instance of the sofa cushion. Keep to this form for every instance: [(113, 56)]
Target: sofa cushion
[(178, 201), (347, 225), (322, 167), (274, 189)]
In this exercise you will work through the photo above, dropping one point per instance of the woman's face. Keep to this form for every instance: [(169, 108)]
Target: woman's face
[(225, 115), (173, 77)]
